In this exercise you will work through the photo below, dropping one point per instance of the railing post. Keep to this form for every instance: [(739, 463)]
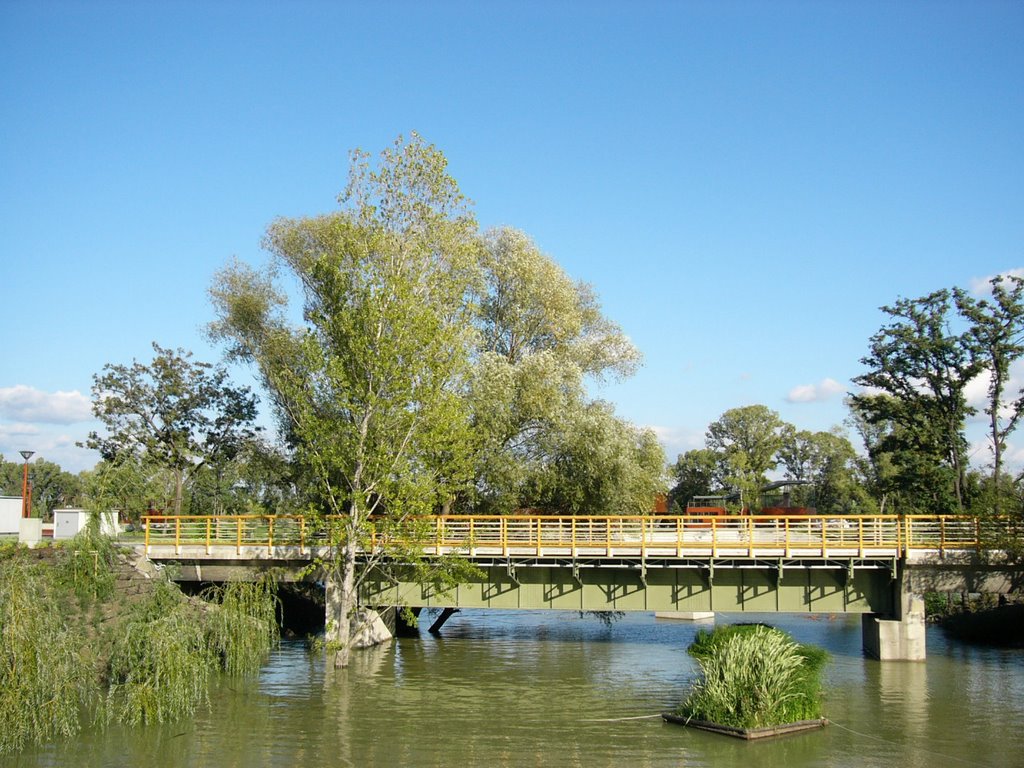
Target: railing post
[(572, 524), (503, 533), (750, 535), (146, 521), (238, 536), (209, 525), (785, 524), (302, 535), (714, 537), (270, 533), (177, 535)]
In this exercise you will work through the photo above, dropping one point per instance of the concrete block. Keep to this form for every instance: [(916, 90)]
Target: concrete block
[(368, 628), (30, 531), (686, 615), (894, 639)]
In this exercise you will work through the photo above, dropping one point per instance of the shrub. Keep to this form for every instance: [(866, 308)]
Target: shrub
[(43, 684), (85, 564), (161, 662), (753, 676), (243, 628)]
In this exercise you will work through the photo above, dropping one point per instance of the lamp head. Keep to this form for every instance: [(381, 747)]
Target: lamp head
[(26, 455)]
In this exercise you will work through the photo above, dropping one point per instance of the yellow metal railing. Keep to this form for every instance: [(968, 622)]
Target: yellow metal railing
[(611, 536)]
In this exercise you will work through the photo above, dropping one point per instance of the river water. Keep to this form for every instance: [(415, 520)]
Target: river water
[(552, 688)]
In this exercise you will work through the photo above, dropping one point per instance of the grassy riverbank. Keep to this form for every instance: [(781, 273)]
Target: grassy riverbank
[(754, 676), (87, 639)]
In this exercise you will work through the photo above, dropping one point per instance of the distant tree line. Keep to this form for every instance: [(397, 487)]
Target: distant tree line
[(52, 487), (911, 414)]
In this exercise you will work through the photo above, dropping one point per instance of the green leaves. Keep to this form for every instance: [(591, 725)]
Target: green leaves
[(43, 682), (173, 412), (753, 676), (918, 368)]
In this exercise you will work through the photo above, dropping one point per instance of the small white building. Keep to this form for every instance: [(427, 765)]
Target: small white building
[(10, 514), (68, 523)]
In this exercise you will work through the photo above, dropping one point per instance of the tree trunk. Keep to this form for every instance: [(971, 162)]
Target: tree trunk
[(179, 485), (346, 604), (997, 455)]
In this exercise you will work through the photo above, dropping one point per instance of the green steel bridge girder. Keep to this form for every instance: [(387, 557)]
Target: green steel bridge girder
[(805, 587)]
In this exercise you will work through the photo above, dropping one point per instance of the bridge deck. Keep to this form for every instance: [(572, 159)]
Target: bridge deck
[(627, 537)]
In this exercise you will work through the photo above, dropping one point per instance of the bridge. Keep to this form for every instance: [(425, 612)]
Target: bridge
[(878, 566)]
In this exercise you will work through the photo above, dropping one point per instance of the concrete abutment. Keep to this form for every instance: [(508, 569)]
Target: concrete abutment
[(900, 637)]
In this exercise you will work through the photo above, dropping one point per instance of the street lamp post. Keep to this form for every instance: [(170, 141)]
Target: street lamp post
[(26, 500)]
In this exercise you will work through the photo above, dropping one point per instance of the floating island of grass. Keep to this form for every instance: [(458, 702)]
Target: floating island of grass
[(755, 681)]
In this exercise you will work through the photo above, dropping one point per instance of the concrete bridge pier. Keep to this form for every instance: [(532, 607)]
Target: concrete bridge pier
[(900, 637)]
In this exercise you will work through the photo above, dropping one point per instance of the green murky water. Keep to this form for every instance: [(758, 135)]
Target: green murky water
[(546, 688)]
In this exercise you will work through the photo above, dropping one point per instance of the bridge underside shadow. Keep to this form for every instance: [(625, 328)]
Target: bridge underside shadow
[(797, 588)]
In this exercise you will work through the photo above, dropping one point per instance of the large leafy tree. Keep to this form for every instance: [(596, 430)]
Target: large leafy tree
[(917, 371), (828, 463), (747, 441), (173, 412), (368, 386), (906, 467), (130, 484), (996, 330), (541, 336), (696, 473), (598, 465)]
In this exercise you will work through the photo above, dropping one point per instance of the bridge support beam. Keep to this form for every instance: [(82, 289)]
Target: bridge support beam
[(900, 637)]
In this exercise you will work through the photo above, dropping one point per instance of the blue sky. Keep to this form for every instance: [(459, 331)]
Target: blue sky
[(744, 183)]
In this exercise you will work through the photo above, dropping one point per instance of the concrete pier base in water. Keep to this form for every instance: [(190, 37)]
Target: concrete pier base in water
[(686, 615), (900, 637), (366, 627)]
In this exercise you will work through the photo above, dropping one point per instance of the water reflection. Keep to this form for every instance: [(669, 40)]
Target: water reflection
[(554, 689)]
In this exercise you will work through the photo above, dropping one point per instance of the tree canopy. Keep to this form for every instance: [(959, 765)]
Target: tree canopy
[(52, 487), (541, 336), (434, 367), (173, 412)]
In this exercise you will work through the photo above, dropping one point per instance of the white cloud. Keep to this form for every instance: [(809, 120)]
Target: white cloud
[(976, 391), (49, 444), (981, 286), (825, 389), (17, 430), (28, 404), (676, 440)]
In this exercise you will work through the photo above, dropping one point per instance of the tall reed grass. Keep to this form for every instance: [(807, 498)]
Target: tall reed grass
[(754, 677)]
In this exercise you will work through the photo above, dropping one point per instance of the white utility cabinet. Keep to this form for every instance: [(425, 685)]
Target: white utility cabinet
[(68, 523), (10, 514)]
